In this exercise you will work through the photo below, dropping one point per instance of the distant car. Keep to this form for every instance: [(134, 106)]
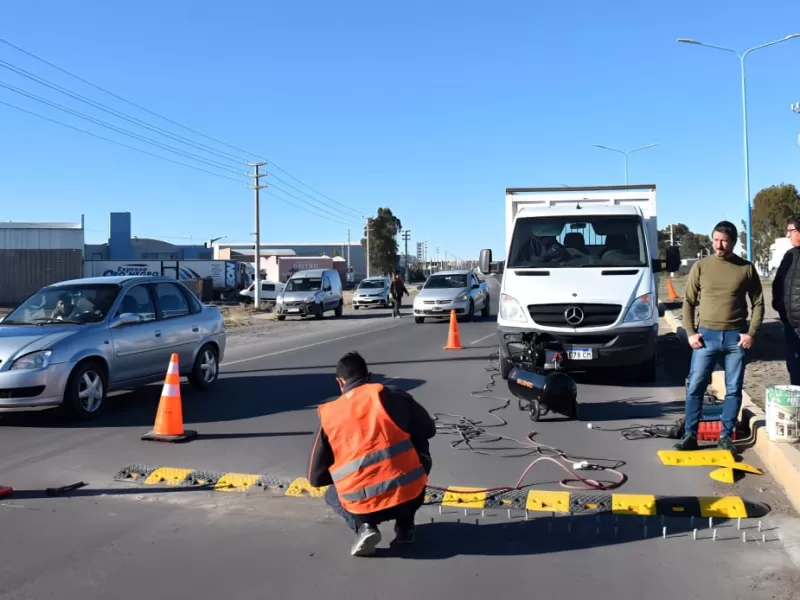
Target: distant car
[(71, 343), (312, 292), (373, 291), (445, 291)]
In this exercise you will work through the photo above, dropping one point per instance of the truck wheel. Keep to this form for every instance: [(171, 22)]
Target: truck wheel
[(356, 307), (339, 309), (281, 317), (505, 367), (647, 372), (419, 320), (85, 394)]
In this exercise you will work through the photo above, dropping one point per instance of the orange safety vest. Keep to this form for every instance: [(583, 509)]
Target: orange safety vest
[(375, 464)]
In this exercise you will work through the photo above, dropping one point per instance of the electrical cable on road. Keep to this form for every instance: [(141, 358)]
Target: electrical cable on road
[(473, 436), (642, 432)]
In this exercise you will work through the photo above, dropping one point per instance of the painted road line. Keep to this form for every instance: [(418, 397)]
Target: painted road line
[(486, 337), (548, 501), (304, 346)]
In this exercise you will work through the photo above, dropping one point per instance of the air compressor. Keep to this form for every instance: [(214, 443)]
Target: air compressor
[(537, 377)]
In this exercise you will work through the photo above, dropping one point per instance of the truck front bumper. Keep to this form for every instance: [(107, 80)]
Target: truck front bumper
[(629, 346)]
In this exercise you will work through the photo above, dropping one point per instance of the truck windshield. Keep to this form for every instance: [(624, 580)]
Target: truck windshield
[(304, 284), (564, 242)]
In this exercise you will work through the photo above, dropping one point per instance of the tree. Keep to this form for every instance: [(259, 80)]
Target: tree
[(690, 243), (382, 241), (771, 207)]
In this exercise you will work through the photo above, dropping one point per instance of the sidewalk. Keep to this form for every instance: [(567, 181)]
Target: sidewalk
[(766, 368)]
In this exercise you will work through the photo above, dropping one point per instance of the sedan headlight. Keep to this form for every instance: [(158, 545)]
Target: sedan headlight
[(462, 298), (32, 361), (510, 310), (309, 299), (641, 309)]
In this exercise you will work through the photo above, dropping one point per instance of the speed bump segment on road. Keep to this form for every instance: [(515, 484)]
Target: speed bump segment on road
[(564, 502)]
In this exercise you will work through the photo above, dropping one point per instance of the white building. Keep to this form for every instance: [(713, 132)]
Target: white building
[(776, 251)]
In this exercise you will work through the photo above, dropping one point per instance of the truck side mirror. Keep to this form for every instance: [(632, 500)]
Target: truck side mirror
[(673, 259), (485, 261)]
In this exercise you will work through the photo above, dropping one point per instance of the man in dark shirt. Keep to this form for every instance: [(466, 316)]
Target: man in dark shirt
[(786, 298), (395, 412)]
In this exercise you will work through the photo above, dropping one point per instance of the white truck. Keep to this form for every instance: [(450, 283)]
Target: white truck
[(581, 269), (229, 276)]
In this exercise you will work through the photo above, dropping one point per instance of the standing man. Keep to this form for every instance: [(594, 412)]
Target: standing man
[(397, 289), (720, 284), (372, 450), (786, 298)]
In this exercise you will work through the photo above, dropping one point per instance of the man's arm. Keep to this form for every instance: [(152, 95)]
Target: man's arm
[(690, 297), (756, 294), (320, 461), (412, 418), (777, 283)]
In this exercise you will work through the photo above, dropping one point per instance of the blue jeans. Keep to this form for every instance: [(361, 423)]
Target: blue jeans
[(402, 514), (716, 344), (792, 353)]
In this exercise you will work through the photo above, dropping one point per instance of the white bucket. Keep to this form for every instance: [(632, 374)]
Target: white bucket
[(783, 413)]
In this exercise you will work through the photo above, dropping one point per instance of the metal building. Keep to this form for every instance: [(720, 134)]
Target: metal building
[(36, 254)]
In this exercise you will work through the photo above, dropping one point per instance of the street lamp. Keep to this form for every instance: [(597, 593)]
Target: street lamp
[(624, 153), (742, 56)]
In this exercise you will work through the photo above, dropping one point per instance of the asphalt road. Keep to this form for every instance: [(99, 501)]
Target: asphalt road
[(115, 539)]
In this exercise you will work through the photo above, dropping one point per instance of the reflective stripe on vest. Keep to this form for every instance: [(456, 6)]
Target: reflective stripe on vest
[(384, 486), (371, 459)]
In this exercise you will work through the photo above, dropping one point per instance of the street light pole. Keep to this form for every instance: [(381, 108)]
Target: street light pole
[(624, 153), (742, 56)]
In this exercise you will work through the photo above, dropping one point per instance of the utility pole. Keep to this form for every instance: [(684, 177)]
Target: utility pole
[(406, 237), (349, 268), (368, 229), (257, 254), (438, 265)]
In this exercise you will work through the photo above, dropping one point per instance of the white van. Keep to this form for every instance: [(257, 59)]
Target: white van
[(581, 265), (270, 290), (313, 292)]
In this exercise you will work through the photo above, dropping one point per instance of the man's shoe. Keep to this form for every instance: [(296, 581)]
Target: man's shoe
[(403, 535), (368, 537), (688, 442), (726, 443)]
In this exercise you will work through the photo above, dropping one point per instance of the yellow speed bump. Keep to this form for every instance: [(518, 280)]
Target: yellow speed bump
[(464, 497), (168, 475), (704, 458)]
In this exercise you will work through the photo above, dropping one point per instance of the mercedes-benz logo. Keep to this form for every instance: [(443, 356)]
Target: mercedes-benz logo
[(573, 315)]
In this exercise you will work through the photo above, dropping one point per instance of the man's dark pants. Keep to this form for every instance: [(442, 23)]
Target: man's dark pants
[(792, 353), (402, 514), (397, 304)]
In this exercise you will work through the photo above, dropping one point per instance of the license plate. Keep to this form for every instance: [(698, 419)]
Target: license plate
[(292, 310), (580, 354)]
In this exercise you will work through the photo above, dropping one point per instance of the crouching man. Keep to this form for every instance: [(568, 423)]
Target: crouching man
[(372, 450)]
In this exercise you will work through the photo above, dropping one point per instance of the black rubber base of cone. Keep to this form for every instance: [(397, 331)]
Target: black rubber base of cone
[(5, 491), (187, 435)]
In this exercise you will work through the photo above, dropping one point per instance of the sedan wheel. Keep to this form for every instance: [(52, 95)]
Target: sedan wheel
[(205, 371), (86, 391)]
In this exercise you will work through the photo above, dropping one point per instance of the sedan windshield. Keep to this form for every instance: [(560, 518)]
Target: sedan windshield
[(304, 284), (563, 242), (452, 282), (79, 304), (372, 284)]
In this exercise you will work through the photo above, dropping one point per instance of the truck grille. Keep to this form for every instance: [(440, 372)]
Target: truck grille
[(594, 315)]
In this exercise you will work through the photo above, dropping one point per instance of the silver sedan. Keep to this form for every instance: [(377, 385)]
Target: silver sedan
[(72, 343), (445, 291)]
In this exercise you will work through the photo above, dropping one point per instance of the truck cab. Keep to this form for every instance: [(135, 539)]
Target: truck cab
[(581, 267)]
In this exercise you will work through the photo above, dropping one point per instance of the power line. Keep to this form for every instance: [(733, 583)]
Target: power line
[(121, 130), (101, 137), (355, 212), (116, 113), (160, 116), (273, 188)]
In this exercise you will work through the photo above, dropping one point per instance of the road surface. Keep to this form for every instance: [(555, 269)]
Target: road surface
[(117, 539)]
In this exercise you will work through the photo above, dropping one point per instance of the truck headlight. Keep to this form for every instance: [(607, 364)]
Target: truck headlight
[(640, 310), (510, 310), (34, 361)]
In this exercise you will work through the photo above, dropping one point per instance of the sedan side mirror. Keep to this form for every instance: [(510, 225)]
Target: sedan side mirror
[(125, 319), (476, 286)]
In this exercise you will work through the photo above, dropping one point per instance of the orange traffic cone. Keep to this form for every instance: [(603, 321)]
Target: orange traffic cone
[(671, 290), (453, 338), (169, 419)]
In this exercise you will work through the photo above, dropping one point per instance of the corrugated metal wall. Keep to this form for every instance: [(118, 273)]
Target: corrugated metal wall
[(22, 272), (35, 238)]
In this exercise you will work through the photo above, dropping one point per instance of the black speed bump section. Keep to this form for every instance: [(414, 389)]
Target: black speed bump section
[(557, 501)]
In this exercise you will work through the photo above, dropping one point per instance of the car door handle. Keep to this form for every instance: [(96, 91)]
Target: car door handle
[(158, 333)]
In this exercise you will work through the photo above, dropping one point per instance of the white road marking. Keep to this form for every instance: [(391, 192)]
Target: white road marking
[(486, 337), (304, 346)]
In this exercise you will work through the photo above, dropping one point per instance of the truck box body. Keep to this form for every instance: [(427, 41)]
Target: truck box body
[(281, 268), (228, 275)]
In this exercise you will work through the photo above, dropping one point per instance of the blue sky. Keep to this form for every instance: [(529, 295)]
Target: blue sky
[(430, 108)]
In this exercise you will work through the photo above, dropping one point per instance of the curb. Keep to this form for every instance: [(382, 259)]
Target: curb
[(781, 460), (573, 503)]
